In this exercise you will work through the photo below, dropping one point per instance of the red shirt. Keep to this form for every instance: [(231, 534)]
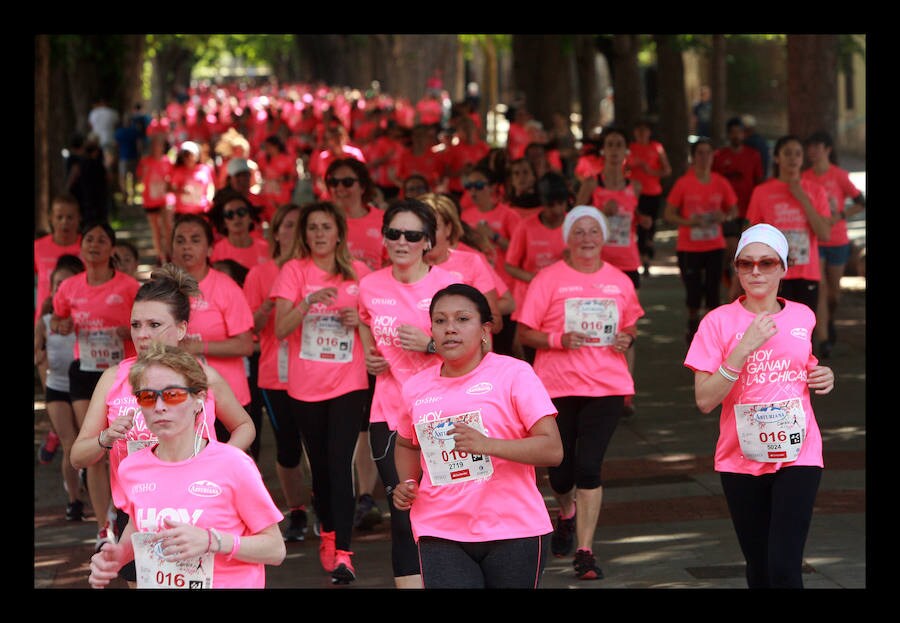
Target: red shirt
[(693, 197), (742, 167), (651, 155)]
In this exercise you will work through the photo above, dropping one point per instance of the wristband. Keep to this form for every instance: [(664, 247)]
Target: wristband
[(208, 540), (728, 376), (631, 343), (218, 536), (100, 441), (235, 546), (307, 301), (555, 340), (730, 369)]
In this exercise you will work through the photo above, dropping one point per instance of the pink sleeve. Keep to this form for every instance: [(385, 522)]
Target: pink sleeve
[(285, 285), (530, 397), (705, 353), (253, 288), (515, 252), (237, 315)]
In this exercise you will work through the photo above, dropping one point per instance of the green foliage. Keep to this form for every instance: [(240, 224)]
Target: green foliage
[(470, 43)]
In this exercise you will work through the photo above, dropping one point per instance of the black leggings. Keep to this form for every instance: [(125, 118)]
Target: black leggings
[(586, 426), (255, 408), (803, 291), (288, 440), (404, 553), (701, 274), (507, 563), (771, 516), (330, 429), (648, 205)]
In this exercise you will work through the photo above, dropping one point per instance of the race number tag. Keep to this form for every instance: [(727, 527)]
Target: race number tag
[(326, 339), (134, 445), (598, 318), (157, 189), (798, 246), (99, 349), (443, 462), (619, 229), (708, 229), (771, 432), (154, 571), (283, 361)]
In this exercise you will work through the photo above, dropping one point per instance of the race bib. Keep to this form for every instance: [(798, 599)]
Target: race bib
[(771, 432), (708, 228), (798, 246), (326, 339), (598, 318), (443, 462), (154, 571), (157, 189), (99, 349), (619, 229)]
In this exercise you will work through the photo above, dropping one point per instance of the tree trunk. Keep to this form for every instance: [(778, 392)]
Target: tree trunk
[(812, 84), (626, 80), (589, 96), (132, 70), (673, 117), (41, 132), (542, 71), (718, 84)]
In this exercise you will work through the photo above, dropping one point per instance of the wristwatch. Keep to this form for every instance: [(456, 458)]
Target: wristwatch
[(430, 348)]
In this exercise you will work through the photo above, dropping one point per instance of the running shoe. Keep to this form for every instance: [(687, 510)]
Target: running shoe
[(343, 573), (75, 511), (367, 515), (297, 523), (326, 551), (563, 538), (48, 449), (586, 566)]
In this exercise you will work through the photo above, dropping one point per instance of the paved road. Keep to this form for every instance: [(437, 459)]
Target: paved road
[(664, 522)]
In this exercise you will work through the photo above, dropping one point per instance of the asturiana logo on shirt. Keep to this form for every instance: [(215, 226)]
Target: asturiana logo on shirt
[(352, 289), (424, 304), (114, 299), (800, 333), (481, 388), (205, 489), (373, 232)]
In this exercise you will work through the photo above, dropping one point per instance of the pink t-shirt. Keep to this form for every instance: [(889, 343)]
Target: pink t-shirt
[(503, 220), (364, 238), (154, 173), (533, 246), (773, 203), (427, 164), (649, 153), (316, 374), (471, 268), (507, 504), (192, 188), (46, 254), (257, 253), (219, 488), (774, 372), (93, 308), (589, 370), (120, 401), (839, 188), (279, 176), (693, 197), (257, 285), (620, 249), (384, 305), (220, 312)]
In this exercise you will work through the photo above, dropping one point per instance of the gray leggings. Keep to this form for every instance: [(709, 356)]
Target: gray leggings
[(507, 563)]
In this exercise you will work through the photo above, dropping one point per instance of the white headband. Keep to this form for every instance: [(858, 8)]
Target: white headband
[(767, 235), (579, 211)]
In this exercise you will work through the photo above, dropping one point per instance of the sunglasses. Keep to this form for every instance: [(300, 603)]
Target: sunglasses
[(346, 182), (475, 185), (411, 236), (170, 395), (766, 265), (230, 214)]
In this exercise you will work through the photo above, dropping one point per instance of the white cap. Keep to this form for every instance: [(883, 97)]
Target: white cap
[(580, 211), (190, 146), (767, 235)]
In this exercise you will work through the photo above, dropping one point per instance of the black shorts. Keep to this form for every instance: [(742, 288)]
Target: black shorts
[(81, 383), (733, 228), (54, 395)]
